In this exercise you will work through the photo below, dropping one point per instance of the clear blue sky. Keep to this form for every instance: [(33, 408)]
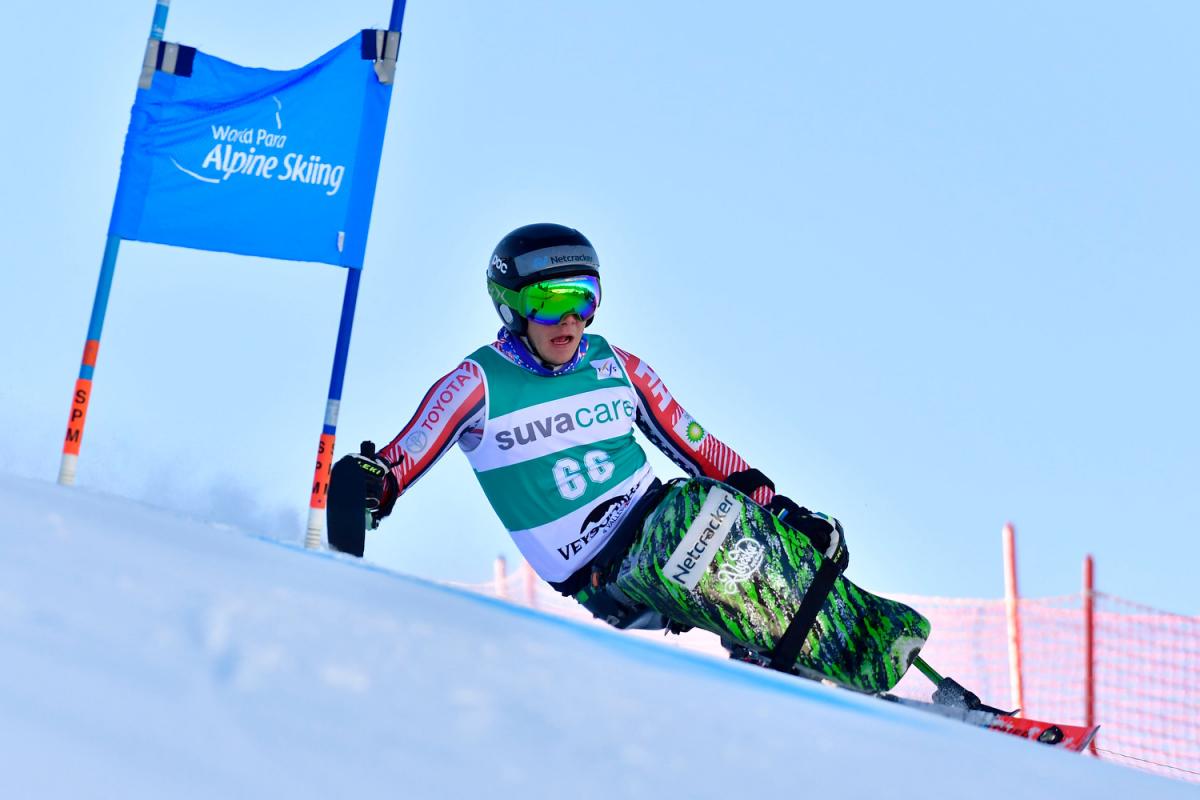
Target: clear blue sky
[(930, 267)]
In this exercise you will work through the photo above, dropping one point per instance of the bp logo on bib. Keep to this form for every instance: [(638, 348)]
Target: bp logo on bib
[(690, 431)]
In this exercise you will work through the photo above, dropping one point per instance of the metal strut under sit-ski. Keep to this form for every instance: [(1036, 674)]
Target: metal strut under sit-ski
[(950, 692)]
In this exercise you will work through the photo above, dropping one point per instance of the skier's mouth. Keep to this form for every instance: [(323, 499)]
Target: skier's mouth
[(562, 341)]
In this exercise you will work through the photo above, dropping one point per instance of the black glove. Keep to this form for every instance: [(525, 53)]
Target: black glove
[(823, 531), (749, 481), (379, 483)]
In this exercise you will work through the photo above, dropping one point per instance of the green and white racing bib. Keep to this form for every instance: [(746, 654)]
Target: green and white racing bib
[(556, 456)]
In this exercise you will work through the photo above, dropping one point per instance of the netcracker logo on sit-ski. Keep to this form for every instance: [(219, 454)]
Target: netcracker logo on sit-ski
[(704, 538)]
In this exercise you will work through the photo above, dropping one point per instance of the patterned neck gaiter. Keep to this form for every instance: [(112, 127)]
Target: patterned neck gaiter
[(516, 351)]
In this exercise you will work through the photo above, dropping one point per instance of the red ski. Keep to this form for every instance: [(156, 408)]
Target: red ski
[(951, 699), (1073, 737)]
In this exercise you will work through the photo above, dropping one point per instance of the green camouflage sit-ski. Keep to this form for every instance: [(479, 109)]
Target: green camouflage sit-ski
[(743, 577)]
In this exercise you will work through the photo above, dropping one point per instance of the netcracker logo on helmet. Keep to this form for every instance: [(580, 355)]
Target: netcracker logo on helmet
[(533, 254)]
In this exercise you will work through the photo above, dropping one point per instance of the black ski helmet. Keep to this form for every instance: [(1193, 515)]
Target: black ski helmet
[(534, 253)]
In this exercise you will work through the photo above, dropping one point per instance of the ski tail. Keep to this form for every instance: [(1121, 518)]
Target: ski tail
[(1075, 738)]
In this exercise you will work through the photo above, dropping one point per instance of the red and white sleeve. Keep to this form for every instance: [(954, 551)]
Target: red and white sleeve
[(454, 405), (674, 431)]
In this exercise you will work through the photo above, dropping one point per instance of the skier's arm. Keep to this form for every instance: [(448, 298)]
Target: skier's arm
[(453, 407), (678, 435), (698, 452)]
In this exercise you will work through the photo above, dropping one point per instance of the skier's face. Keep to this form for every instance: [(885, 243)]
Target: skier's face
[(556, 344)]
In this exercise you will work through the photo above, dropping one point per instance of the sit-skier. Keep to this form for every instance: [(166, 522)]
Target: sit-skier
[(545, 415)]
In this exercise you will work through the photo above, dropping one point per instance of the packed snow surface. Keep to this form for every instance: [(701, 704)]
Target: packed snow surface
[(143, 654)]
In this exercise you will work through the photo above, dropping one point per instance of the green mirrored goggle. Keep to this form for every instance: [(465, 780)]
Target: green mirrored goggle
[(547, 302)]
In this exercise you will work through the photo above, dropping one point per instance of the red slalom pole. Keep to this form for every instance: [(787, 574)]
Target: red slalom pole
[(1089, 645), (1011, 605)]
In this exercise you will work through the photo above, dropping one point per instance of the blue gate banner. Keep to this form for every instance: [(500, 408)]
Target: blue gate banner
[(261, 162)]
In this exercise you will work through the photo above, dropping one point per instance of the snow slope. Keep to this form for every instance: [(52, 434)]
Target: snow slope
[(143, 654)]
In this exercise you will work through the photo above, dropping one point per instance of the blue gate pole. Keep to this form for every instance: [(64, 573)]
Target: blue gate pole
[(397, 21), (108, 265), (320, 486)]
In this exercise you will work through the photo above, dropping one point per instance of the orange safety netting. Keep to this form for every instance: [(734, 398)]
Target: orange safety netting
[(1146, 670), (1146, 664)]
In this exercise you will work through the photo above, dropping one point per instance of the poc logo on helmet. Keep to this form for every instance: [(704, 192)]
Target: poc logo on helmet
[(498, 265)]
